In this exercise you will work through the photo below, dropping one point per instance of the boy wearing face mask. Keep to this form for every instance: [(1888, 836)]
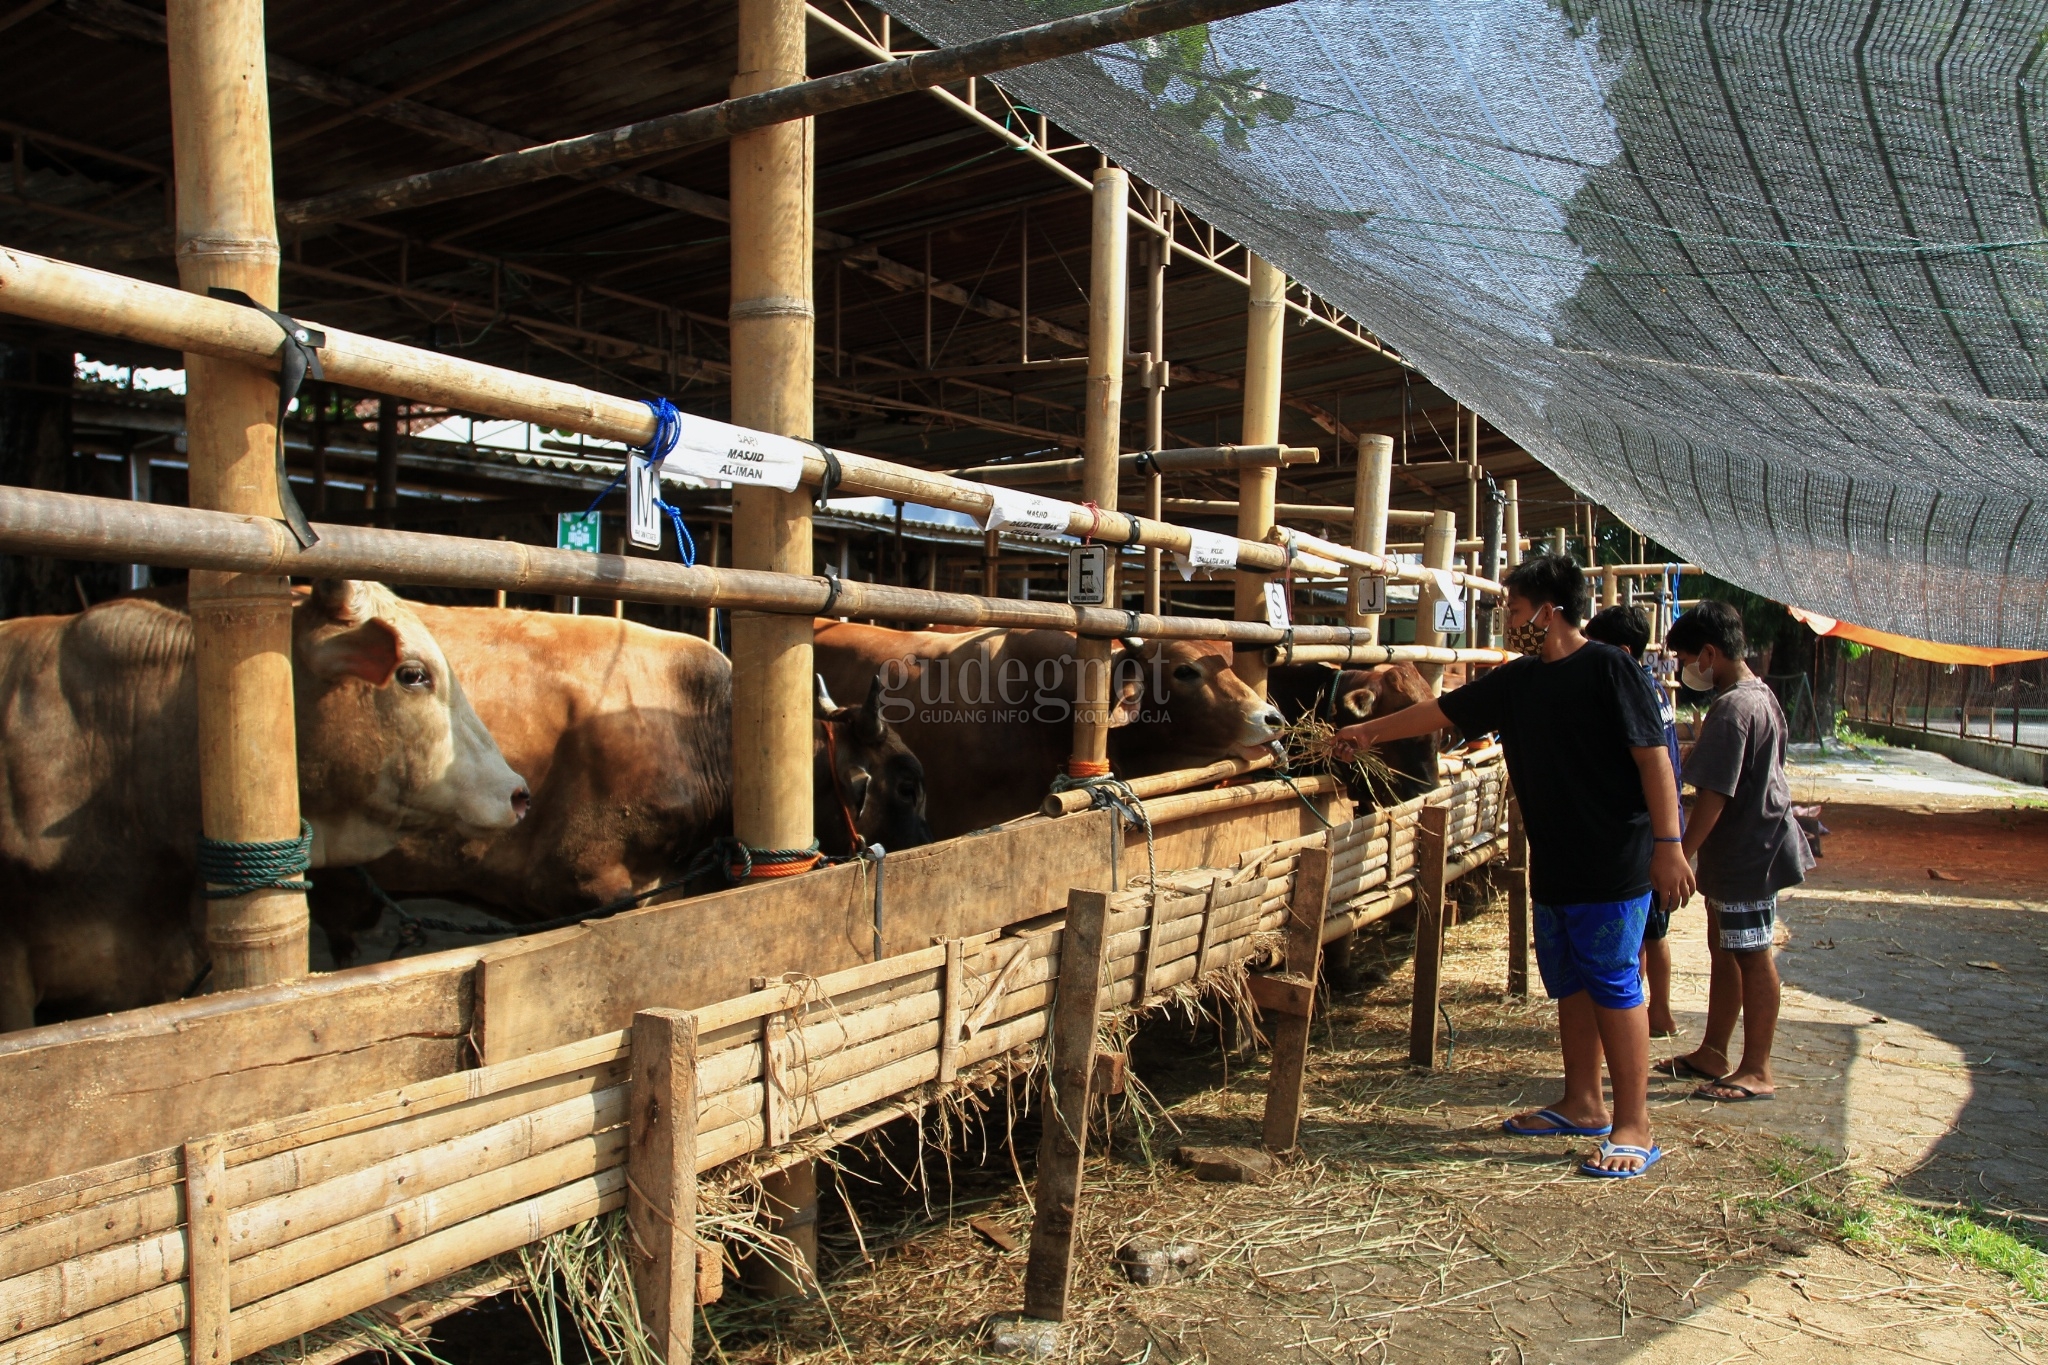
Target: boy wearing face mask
[(1585, 750), (1749, 848), (1626, 628)]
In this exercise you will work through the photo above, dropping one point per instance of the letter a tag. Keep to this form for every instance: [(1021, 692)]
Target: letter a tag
[(643, 489), (1449, 612)]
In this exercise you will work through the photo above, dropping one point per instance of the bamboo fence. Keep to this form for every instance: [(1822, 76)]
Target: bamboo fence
[(256, 1236)]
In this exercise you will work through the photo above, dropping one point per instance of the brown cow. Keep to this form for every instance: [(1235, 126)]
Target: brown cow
[(99, 781), (989, 712), (625, 732), (1347, 696)]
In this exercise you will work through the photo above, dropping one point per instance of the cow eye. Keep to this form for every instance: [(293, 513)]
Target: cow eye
[(1187, 673), (414, 676)]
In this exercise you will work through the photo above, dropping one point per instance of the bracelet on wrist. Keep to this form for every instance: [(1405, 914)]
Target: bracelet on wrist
[(1674, 839)]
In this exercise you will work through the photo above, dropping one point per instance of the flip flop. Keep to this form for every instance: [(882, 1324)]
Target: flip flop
[(1746, 1095), (1680, 1069), (1650, 1155), (1565, 1127), (1669, 1034)]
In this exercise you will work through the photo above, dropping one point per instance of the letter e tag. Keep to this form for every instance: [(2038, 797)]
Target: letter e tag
[(1088, 575)]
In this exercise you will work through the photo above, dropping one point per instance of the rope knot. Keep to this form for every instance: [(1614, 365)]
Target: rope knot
[(232, 868)]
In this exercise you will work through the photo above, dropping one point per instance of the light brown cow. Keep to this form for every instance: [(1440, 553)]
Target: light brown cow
[(99, 781), (625, 732), (989, 712)]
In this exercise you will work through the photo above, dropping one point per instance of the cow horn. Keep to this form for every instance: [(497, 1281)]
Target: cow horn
[(872, 728), (826, 706), (340, 599)]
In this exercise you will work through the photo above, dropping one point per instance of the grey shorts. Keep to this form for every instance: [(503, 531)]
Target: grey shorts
[(1746, 925)]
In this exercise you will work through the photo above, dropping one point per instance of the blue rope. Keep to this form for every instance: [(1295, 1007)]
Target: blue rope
[(668, 427), (233, 868)]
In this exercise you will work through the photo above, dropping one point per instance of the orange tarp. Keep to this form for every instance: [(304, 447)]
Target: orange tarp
[(1912, 648)]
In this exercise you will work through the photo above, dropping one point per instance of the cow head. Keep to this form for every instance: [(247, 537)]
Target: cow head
[(1179, 704), (388, 744), (1361, 694), (867, 778)]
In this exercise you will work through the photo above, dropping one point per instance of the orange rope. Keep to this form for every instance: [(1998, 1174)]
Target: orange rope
[(788, 869), (1087, 767)]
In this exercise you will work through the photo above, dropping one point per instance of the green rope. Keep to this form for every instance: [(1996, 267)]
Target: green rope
[(230, 868)]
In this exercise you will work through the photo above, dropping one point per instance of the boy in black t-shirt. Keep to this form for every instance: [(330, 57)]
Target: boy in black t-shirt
[(1585, 751)]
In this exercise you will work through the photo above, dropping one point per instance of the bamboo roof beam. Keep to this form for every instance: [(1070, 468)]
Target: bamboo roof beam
[(1145, 462)]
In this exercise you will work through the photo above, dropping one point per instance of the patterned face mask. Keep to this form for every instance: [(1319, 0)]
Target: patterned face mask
[(1528, 637)]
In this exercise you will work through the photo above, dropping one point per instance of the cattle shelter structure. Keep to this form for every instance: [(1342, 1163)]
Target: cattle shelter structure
[(845, 262)]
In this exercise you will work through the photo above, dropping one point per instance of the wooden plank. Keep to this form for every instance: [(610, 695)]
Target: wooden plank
[(208, 1309), (661, 1178), (952, 1010), (1429, 936), (1214, 838), (776, 1082), (98, 1091), (549, 990), (1292, 996), (1287, 1075), (1069, 1072), (1518, 902)]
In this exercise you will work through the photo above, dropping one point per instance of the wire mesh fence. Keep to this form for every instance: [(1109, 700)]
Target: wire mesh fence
[(2002, 703)]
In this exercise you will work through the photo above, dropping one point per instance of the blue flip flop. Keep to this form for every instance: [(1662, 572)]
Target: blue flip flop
[(1650, 1155), (1565, 1127)]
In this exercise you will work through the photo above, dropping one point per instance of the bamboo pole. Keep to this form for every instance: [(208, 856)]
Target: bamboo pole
[(1155, 398), (33, 521), (1436, 554), (1311, 548), (241, 624), (387, 462), (1511, 522), (1160, 784), (1341, 514), (772, 325), (755, 110), (1194, 459), (1373, 486), (1265, 333), (1365, 656), (1107, 293)]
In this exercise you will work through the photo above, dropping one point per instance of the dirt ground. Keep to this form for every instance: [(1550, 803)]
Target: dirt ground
[(1889, 1206)]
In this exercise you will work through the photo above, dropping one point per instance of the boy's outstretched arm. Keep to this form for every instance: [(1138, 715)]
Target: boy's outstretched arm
[(1416, 720), (1670, 873)]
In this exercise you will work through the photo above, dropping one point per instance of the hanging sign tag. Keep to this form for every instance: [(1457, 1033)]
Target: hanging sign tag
[(1448, 615), (720, 452), (643, 490), (1368, 594), (1276, 605), (1027, 511), (1206, 550), (578, 530), (1088, 575)]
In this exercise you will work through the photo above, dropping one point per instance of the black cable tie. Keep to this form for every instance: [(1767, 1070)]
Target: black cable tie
[(299, 357), (833, 477), (1132, 532), (831, 591)]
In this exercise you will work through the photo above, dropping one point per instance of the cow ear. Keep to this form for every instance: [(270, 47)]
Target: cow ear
[(871, 728), (341, 600), (1129, 701), (1358, 701), (368, 651)]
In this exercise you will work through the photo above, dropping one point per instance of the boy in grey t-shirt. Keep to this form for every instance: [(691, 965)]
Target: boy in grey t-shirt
[(1749, 848)]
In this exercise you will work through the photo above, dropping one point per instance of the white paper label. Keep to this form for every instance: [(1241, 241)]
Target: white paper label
[(1206, 550), (1276, 604), (643, 518), (1027, 511), (1368, 594), (724, 453), (1088, 575)]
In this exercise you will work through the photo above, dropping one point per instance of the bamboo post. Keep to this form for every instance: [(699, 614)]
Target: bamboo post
[(1430, 827), (1289, 1069), (661, 1178), (1610, 586), (1155, 405), (1439, 544), (1107, 285), (1511, 521), (241, 623), (772, 325), (1491, 515), (138, 491), (1371, 491), (1265, 332), (206, 1252), (1069, 1074), (1518, 901), (387, 462), (991, 564)]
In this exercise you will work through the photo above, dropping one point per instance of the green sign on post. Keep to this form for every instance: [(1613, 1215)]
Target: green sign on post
[(578, 531)]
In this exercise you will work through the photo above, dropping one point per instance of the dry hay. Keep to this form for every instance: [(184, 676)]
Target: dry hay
[(1408, 1228), (1310, 743)]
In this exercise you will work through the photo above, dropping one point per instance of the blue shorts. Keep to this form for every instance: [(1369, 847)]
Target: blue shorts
[(1595, 948)]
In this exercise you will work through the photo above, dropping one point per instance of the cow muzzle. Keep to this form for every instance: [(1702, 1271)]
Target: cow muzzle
[(1262, 725)]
